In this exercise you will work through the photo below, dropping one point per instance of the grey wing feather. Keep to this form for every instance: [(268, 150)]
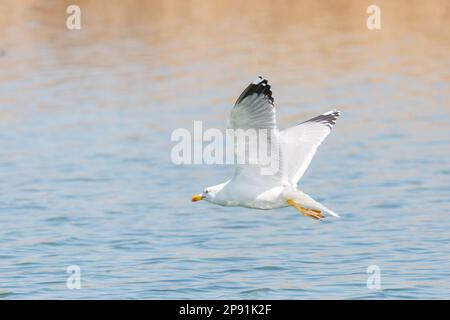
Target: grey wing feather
[(300, 142)]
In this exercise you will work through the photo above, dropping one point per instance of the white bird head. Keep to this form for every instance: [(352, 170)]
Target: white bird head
[(209, 194)]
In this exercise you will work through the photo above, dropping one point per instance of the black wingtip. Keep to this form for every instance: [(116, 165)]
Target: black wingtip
[(328, 118), (259, 86)]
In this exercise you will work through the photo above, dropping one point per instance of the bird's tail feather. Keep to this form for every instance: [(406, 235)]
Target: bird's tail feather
[(323, 208), (311, 203), (330, 212)]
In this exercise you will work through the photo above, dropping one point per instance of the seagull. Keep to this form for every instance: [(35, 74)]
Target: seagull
[(254, 109)]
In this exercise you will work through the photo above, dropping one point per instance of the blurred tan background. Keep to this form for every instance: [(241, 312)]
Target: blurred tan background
[(415, 28)]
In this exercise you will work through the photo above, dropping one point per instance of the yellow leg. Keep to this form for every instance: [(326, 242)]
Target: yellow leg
[(312, 213)]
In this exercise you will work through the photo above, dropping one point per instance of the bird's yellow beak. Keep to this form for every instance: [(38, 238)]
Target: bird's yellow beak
[(197, 197)]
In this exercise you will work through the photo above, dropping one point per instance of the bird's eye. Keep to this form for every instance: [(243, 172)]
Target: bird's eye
[(206, 191)]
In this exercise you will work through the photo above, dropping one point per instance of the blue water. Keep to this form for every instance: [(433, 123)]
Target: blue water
[(87, 180)]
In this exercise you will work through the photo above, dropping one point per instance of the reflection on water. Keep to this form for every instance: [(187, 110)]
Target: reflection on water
[(85, 123)]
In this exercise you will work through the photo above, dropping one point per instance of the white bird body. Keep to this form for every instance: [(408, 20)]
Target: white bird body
[(234, 193), (249, 187)]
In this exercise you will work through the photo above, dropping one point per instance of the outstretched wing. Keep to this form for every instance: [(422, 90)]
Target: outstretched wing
[(300, 142), (254, 110)]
